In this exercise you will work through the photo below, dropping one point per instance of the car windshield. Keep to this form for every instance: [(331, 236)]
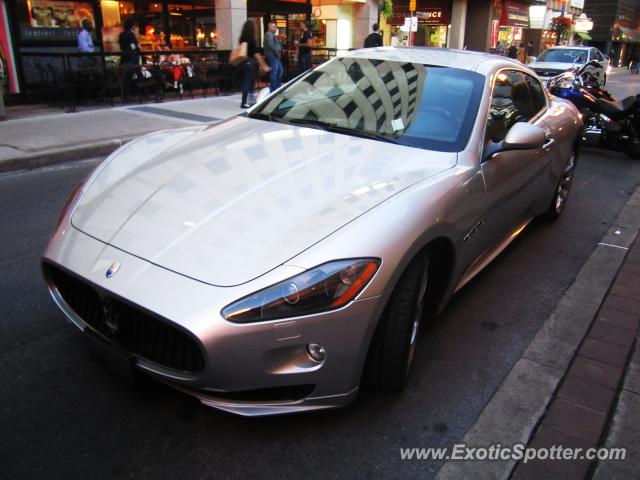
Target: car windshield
[(399, 102), (563, 55)]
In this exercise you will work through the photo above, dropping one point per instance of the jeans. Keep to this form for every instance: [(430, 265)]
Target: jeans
[(275, 75), (248, 78), (305, 61)]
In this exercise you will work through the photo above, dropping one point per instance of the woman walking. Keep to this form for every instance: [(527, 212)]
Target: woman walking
[(248, 35)]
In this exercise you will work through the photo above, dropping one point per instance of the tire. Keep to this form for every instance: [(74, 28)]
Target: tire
[(393, 344), (604, 80), (561, 195)]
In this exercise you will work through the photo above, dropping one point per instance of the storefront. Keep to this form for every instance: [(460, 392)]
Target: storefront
[(287, 15), (333, 25), (433, 25), (509, 27), (51, 27)]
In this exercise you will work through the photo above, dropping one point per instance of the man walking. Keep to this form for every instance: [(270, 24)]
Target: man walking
[(273, 51), (374, 39)]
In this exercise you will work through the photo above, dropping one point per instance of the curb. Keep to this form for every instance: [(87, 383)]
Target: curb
[(54, 156), (516, 408)]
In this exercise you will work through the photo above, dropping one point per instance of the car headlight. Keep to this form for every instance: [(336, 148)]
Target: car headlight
[(325, 287)]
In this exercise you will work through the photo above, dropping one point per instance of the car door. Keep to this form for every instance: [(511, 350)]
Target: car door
[(513, 179)]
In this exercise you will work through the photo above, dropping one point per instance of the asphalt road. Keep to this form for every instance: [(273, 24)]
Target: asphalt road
[(64, 416)]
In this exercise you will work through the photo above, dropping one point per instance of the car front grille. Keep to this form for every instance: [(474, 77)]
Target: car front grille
[(128, 326), (547, 73)]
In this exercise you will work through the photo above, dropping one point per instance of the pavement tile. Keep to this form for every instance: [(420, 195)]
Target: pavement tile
[(622, 304), (587, 394), (632, 268), (596, 372), (619, 319), (575, 420), (604, 352), (548, 437), (624, 290), (628, 278), (612, 334), (633, 257), (624, 432)]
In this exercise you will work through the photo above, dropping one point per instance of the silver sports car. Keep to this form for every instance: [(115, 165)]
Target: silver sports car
[(275, 261)]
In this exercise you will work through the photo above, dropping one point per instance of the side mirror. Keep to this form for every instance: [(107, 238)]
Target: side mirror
[(521, 136)]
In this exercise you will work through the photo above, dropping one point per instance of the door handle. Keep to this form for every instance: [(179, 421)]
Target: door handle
[(548, 143)]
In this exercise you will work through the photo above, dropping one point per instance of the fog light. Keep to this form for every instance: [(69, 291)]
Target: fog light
[(316, 352)]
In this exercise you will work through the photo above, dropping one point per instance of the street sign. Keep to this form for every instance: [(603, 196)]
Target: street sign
[(414, 24)]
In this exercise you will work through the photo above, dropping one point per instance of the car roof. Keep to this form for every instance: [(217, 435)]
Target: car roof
[(445, 57)]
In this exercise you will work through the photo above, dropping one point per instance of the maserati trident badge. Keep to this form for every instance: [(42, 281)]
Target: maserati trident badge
[(111, 271)]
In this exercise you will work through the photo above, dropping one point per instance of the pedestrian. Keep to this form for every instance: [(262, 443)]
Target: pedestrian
[(129, 45), (248, 35), (530, 52), (374, 39), (273, 52), (85, 39), (522, 53), (513, 51), (304, 48)]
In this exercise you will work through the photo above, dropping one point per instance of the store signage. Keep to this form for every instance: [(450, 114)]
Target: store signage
[(426, 11), (536, 16), (48, 33), (61, 14), (583, 25), (515, 15), (433, 16)]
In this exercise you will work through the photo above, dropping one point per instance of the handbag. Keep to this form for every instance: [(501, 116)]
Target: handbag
[(238, 54), (262, 63)]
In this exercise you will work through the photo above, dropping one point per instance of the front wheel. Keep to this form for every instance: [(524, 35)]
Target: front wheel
[(563, 189), (394, 342)]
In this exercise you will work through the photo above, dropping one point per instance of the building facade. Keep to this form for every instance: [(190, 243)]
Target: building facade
[(615, 31)]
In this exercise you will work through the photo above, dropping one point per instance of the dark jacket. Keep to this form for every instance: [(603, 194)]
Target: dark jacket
[(373, 40), (129, 47), (252, 46)]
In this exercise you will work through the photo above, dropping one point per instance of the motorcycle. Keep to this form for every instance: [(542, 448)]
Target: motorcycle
[(607, 122)]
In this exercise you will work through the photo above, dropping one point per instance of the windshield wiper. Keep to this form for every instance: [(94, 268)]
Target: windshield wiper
[(332, 127), (329, 127)]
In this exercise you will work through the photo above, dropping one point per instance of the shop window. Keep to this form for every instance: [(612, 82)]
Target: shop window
[(52, 20)]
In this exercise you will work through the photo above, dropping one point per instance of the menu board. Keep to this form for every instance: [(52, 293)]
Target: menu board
[(59, 14)]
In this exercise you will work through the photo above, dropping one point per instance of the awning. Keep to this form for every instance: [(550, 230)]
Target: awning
[(628, 35), (584, 36)]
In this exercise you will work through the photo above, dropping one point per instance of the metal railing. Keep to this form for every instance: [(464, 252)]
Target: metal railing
[(69, 79)]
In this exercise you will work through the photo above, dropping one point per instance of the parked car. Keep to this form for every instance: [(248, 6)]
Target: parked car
[(270, 263), (556, 60)]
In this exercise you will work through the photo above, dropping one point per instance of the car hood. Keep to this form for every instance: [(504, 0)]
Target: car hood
[(553, 66), (228, 203)]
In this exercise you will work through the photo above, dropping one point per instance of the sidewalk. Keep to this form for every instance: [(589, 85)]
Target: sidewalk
[(596, 405), (577, 384), (37, 136)]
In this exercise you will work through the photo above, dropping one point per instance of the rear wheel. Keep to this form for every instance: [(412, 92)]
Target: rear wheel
[(562, 190), (394, 342)]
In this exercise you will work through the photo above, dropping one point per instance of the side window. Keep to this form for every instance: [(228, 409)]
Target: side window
[(537, 93), (511, 102), (595, 55)]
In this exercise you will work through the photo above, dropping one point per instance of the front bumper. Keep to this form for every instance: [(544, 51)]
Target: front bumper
[(249, 369)]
